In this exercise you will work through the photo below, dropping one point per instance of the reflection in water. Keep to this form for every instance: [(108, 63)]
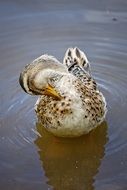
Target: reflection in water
[(30, 29), (71, 163)]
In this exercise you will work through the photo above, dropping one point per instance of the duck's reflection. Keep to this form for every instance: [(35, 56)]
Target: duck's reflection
[(71, 164)]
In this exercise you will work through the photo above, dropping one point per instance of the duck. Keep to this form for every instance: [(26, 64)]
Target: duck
[(69, 103)]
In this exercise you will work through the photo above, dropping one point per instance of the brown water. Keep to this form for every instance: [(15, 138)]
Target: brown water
[(30, 157)]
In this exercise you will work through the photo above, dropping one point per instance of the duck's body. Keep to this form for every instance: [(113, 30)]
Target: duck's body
[(72, 105), (77, 112)]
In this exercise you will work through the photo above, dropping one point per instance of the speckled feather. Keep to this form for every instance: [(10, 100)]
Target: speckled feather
[(81, 106)]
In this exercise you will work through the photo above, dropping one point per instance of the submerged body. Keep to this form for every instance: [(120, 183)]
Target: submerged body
[(70, 104)]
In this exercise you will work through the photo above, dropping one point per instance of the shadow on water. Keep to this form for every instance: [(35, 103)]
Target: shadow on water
[(71, 163)]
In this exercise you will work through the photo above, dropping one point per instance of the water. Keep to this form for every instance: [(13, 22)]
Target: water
[(30, 157)]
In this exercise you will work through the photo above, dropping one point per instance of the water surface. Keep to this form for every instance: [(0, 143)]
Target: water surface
[(30, 157)]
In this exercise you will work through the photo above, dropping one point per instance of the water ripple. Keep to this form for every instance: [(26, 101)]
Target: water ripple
[(26, 35)]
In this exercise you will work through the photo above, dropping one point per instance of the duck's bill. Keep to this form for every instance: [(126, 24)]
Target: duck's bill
[(50, 91)]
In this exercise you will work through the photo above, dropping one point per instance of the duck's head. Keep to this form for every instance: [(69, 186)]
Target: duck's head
[(41, 76)]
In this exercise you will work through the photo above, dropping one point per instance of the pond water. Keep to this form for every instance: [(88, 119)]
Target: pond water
[(30, 157)]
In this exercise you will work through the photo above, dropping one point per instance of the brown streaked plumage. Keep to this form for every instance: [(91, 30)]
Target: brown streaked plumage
[(70, 103)]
